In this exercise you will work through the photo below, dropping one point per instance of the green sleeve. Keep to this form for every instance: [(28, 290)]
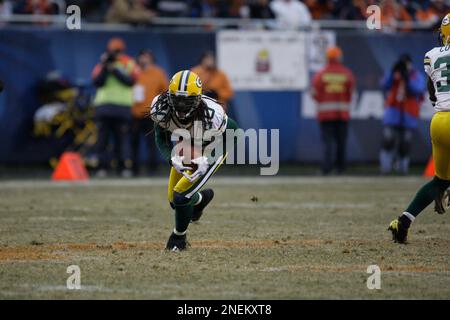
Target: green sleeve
[(231, 124), (163, 142)]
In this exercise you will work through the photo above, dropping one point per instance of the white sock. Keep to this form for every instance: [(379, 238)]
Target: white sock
[(179, 233), (409, 216)]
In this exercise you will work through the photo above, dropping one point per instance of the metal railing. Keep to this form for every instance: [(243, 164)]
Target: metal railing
[(59, 21)]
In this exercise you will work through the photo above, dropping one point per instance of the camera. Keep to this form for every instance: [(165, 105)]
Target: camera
[(111, 57)]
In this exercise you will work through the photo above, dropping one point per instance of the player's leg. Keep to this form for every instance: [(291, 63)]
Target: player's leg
[(326, 133), (151, 145), (186, 196), (404, 147), (104, 129), (387, 151), (174, 177), (177, 241), (341, 144), (434, 189), (135, 137)]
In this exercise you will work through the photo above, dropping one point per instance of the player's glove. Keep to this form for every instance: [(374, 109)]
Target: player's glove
[(202, 167), (177, 163)]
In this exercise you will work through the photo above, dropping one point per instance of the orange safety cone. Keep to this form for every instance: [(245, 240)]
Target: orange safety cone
[(70, 168), (429, 169)]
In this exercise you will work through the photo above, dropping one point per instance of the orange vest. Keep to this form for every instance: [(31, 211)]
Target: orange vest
[(332, 90)]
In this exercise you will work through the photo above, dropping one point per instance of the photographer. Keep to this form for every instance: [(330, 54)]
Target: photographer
[(114, 78), (404, 87)]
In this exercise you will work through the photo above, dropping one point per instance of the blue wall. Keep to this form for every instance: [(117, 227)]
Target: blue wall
[(27, 55)]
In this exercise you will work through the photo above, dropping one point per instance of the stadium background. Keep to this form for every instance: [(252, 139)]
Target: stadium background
[(28, 53)]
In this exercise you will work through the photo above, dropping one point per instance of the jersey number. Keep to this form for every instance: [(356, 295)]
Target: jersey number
[(445, 73)]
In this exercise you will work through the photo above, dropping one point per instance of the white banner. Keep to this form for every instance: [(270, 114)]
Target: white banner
[(264, 60), (319, 42)]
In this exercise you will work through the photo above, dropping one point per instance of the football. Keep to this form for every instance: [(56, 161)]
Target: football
[(195, 152)]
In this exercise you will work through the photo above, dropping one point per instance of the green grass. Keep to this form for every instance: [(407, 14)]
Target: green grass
[(305, 238)]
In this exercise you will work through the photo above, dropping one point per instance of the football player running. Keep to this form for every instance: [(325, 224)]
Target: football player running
[(437, 67), (183, 106)]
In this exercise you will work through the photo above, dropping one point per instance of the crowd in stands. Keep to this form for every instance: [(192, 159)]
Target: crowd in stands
[(141, 11)]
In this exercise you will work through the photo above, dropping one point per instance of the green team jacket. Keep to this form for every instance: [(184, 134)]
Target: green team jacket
[(165, 145)]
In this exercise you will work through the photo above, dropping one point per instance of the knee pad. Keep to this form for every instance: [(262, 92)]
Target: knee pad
[(179, 199)]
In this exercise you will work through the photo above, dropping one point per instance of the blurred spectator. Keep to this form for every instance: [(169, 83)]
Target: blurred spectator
[(391, 13), (404, 87), (332, 90), (114, 78), (350, 9), (152, 81), (92, 10), (257, 9), (432, 12), (290, 14), (39, 7), (427, 14), (129, 11), (215, 81), (320, 9), (171, 8), (6, 8)]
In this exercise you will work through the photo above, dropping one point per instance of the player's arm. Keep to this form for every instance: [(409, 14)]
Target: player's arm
[(416, 84), (431, 91), (163, 142), (231, 124), (99, 75), (428, 71), (127, 79)]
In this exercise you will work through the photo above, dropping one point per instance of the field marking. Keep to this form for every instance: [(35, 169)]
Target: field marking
[(218, 181), (293, 206), (64, 251)]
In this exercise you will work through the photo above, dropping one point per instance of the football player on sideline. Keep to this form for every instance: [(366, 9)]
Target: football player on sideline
[(437, 67), (178, 108)]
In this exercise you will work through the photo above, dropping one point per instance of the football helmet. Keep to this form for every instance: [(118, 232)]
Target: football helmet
[(185, 93), (444, 31)]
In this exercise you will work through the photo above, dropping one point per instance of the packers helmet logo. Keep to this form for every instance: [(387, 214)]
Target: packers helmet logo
[(446, 21), (198, 82)]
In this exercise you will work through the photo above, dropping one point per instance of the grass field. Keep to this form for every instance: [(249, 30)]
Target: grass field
[(305, 238)]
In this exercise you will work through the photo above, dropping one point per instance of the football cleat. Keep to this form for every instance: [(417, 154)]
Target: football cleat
[(442, 203), (399, 232), (176, 243), (207, 196)]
